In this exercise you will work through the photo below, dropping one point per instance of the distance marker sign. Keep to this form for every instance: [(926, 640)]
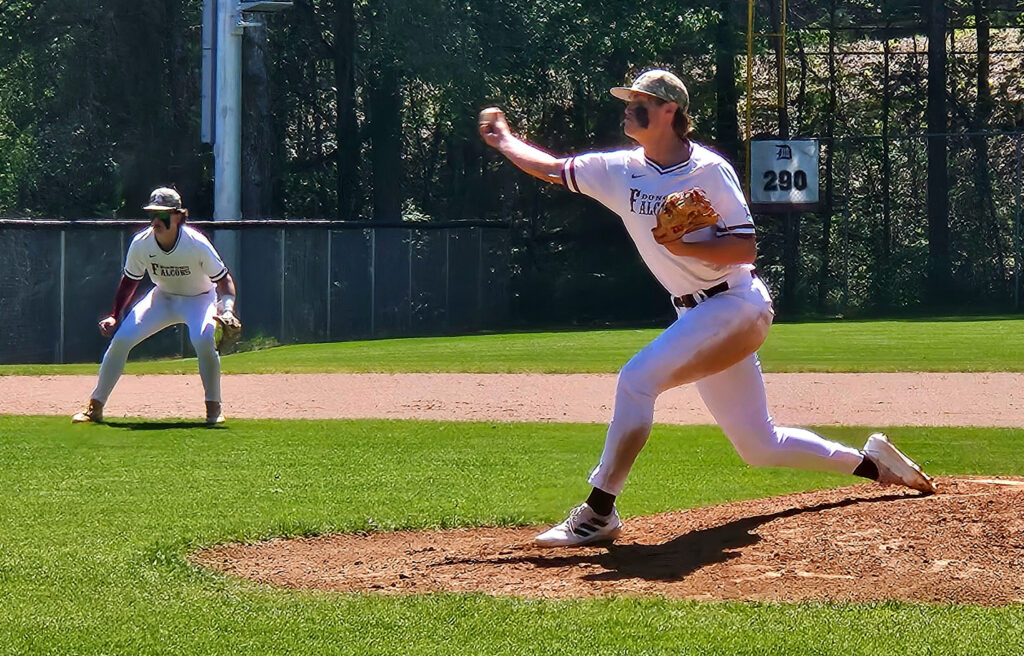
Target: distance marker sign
[(784, 175)]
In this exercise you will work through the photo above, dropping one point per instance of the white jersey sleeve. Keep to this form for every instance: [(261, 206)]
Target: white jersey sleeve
[(730, 203), (135, 265), (598, 175), (209, 259)]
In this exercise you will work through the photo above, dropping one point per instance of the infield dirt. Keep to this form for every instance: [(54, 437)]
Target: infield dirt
[(878, 399)]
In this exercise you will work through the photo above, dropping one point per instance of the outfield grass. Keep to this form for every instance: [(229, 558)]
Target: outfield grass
[(95, 522), (995, 344)]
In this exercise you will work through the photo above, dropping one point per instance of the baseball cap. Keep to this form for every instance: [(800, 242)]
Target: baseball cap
[(658, 83), (164, 199)]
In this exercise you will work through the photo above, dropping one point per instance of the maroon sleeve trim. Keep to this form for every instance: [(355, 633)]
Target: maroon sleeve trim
[(746, 227), (572, 176)]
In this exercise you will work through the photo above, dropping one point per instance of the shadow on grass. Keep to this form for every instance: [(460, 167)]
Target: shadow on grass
[(681, 556), (163, 425)]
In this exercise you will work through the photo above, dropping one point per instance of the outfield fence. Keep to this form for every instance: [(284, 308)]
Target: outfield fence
[(298, 281)]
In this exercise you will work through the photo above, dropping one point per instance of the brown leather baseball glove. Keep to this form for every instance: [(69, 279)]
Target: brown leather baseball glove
[(229, 328), (682, 213)]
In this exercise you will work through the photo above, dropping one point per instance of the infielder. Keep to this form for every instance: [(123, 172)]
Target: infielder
[(724, 311), (187, 275)]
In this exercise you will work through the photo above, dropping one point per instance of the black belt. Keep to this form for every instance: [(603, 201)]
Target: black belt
[(691, 300)]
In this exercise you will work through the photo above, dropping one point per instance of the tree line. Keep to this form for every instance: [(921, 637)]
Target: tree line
[(365, 110)]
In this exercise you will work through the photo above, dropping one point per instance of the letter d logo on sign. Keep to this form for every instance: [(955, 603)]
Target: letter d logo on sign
[(784, 175)]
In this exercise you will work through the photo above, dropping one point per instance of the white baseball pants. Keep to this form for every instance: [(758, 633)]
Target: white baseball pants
[(713, 345), (154, 312)]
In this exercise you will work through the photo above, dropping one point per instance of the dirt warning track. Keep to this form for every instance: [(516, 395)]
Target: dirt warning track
[(874, 399)]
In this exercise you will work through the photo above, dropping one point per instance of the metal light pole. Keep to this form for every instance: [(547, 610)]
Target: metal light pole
[(223, 22), (227, 147)]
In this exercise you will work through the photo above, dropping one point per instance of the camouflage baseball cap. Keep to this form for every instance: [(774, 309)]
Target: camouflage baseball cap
[(164, 199), (657, 83)]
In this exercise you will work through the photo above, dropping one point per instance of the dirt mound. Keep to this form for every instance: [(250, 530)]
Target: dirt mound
[(863, 543)]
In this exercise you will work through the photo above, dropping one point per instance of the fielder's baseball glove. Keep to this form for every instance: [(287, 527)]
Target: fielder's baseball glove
[(227, 331), (682, 213)]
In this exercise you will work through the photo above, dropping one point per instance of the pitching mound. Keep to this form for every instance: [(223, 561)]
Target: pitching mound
[(863, 543)]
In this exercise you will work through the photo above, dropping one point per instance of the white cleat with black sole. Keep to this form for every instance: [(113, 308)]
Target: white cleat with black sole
[(895, 468), (583, 526)]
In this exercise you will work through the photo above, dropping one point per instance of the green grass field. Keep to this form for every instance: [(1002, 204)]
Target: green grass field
[(984, 344), (96, 522)]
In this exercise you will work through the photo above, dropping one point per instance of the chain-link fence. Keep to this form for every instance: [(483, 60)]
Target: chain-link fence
[(298, 281)]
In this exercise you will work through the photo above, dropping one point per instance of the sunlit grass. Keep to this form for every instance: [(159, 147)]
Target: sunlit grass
[(96, 520), (843, 346)]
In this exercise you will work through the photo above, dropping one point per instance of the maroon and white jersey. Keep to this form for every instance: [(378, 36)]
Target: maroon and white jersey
[(634, 187), (190, 268)]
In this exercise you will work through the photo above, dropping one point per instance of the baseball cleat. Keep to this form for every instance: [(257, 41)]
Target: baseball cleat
[(895, 468), (92, 413), (583, 526), (214, 415)]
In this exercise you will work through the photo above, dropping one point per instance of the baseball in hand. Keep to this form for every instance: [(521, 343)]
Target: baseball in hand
[(493, 128), (489, 119), (107, 326)]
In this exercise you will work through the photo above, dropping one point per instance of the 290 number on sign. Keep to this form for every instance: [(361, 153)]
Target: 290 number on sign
[(785, 180)]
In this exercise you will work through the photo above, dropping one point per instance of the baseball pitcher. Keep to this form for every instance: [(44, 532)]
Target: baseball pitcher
[(685, 211), (188, 275)]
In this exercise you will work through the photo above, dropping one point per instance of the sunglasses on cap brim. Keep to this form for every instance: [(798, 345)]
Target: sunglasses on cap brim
[(164, 216)]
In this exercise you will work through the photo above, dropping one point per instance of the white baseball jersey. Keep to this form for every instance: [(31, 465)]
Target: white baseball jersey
[(190, 268), (634, 187)]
